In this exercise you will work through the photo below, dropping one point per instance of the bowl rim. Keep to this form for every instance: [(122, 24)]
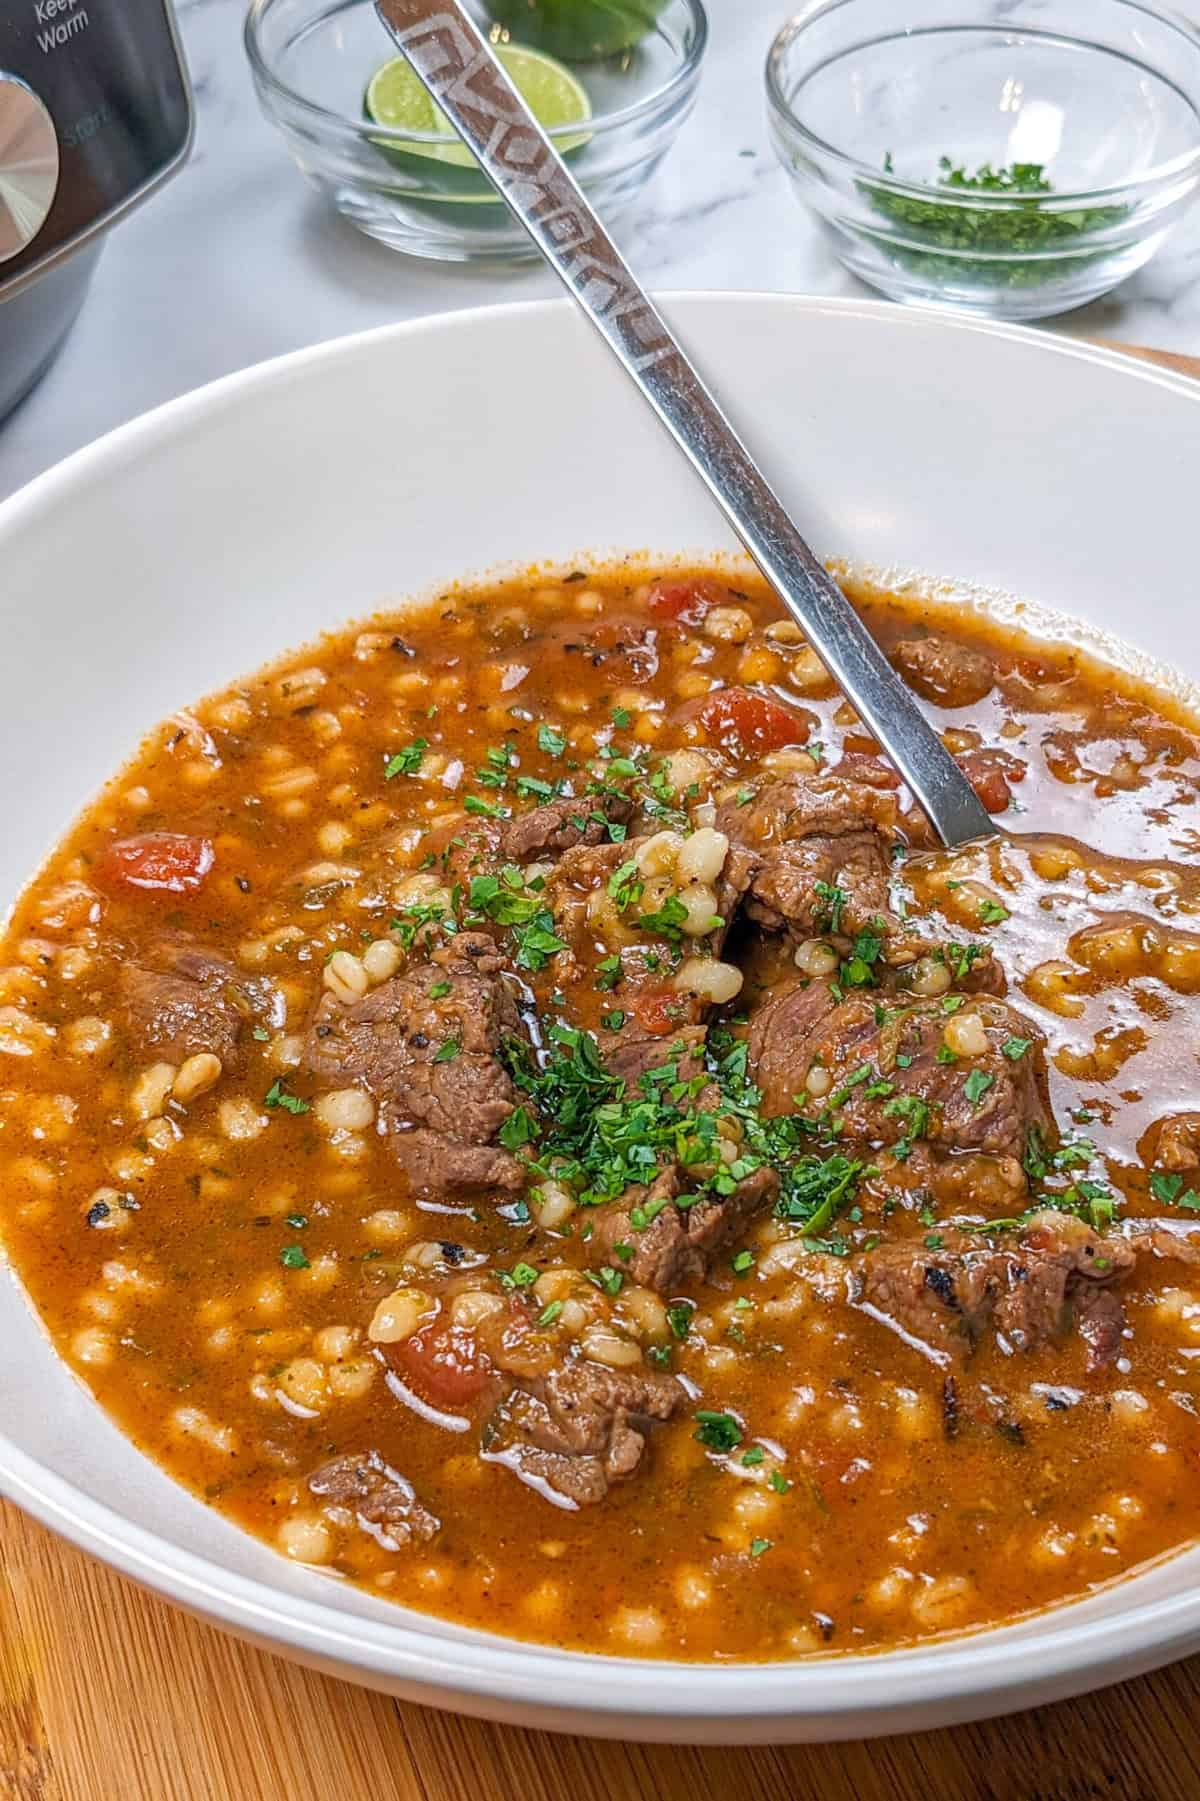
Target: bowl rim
[(1187, 162), (975, 1673), (389, 135)]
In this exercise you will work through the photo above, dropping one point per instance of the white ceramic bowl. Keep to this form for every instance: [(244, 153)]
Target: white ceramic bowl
[(199, 541)]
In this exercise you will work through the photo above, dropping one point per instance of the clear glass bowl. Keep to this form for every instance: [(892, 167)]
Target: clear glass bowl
[(872, 106), (312, 59)]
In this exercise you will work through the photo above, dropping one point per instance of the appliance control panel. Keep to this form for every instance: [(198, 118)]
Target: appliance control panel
[(95, 109)]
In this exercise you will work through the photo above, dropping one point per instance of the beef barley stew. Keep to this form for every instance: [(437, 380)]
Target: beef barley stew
[(512, 1107)]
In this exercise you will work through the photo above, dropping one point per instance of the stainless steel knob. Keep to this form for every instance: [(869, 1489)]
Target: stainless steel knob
[(28, 165)]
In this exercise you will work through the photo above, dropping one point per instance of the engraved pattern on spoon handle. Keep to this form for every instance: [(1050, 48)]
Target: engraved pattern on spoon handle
[(452, 58)]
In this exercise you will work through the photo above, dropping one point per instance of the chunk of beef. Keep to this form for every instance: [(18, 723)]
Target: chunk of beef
[(572, 1434), (1100, 1322), (563, 824), (1178, 1239), (633, 1052), (792, 888), (1177, 1143), (969, 1182), (949, 674), (894, 1077), (801, 839), (942, 1300), (665, 1246), (781, 1031), (382, 1502), (184, 1000), (577, 875), (426, 1045)]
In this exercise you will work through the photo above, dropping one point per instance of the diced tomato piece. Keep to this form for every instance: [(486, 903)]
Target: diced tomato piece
[(989, 773), (162, 862), (444, 1364), (685, 602), (742, 719), (856, 766), (658, 1012)]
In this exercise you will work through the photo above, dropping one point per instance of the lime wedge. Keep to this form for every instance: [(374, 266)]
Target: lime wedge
[(581, 30), (395, 98)]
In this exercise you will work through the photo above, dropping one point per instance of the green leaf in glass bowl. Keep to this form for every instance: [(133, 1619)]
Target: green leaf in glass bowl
[(577, 30)]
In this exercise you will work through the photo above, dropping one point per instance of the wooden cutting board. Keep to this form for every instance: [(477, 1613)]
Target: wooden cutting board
[(107, 1694)]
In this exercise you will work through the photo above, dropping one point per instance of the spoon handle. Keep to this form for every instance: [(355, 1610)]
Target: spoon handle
[(453, 60)]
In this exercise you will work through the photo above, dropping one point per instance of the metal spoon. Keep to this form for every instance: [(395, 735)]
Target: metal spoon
[(453, 60)]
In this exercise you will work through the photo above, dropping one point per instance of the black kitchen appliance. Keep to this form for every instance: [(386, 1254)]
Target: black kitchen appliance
[(95, 112)]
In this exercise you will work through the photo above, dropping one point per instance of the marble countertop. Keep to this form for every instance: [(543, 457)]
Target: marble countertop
[(236, 260)]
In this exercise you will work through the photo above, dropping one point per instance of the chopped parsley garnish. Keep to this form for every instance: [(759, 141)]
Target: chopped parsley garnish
[(550, 1313), (439, 991), (406, 761), (625, 885), (814, 1190), (552, 742), (1010, 246), (297, 1221), (915, 1114), (754, 1456), (779, 1482), (742, 1263), (261, 1034), (960, 957), (490, 809), (679, 1318), (622, 718), (758, 1546), (829, 917), (992, 913), (1170, 1190), (292, 1257), (278, 1096), (858, 971), (448, 1050), (518, 1129), (533, 784), (537, 942), (505, 899), (498, 760), (718, 1431), (667, 920), (417, 917), (610, 1280), (521, 1275), (612, 1022), (608, 973), (1015, 1048), (977, 1085)]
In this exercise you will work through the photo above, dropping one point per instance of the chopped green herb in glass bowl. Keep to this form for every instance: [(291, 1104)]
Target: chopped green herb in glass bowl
[(1012, 157)]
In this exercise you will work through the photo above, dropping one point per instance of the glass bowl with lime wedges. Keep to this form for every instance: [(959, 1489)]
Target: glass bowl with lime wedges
[(611, 80), (1014, 158)]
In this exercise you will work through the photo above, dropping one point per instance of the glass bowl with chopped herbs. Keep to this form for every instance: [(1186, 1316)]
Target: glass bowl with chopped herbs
[(1016, 158)]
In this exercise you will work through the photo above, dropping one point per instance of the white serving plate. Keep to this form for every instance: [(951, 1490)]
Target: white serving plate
[(205, 538)]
